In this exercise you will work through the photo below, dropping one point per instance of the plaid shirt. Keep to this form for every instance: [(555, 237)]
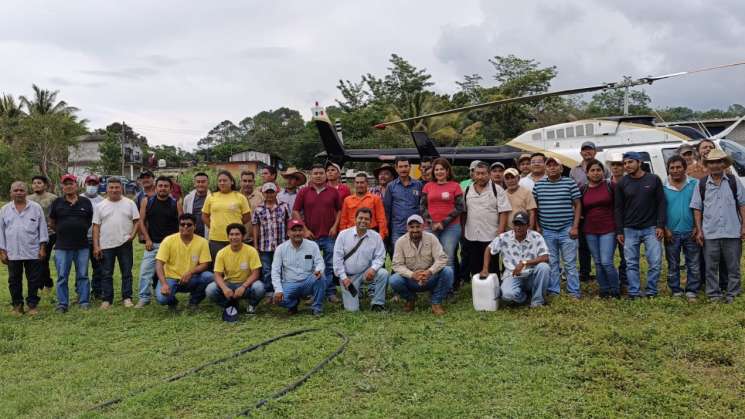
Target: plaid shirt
[(272, 224)]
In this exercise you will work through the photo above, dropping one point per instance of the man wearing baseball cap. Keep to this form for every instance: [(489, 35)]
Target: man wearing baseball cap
[(496, 173), (525, 258), (71, 216), (297, 271), (468, 182), (269, 229), (641, 213), (419, 265), (523, 165)]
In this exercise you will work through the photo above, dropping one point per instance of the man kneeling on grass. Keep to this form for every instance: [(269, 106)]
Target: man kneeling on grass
[(525, 257), (297, 271), (420, 265), (237, 269), (181, 265)]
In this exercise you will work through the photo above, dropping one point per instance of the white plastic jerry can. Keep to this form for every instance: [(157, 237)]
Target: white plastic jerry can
[(485, 292)]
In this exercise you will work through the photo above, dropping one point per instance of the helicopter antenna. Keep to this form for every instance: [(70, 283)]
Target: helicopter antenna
[(626, 83)]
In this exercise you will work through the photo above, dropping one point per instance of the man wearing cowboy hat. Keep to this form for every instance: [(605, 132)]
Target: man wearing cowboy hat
[(294, 179), (719, 208), (384, 175)]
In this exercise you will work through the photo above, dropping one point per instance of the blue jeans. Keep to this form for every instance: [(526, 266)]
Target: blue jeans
[(63, 260), (294, 291), (633, 239), (147, 272), (326, 244), (266, 270), (196, 287), (124, 254), (439, 285), (562, 248), (449, 238), (692, 252), (379, 283), (515, 288), (253, 294), (603, 247)]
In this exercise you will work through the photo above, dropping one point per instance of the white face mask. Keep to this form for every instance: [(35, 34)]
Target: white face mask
[(91, 190)]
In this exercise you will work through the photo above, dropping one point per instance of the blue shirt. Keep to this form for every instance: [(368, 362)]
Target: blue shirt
[(293, 264), (720, 209), (679, 212), (21, 233), (400, 203), (555, 201), (370, 254)]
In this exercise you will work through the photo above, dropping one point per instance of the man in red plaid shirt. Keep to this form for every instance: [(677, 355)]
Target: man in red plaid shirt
[(269, 222)]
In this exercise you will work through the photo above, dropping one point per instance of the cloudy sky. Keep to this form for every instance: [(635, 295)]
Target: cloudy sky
[(174, 69)]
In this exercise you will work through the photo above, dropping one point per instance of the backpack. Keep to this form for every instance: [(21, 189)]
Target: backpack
[(732, 185), (468, 188)]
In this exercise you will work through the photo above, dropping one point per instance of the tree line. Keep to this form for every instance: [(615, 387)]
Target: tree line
[(40, 127)]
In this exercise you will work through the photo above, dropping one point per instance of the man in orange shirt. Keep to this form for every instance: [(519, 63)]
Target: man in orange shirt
[(363, 198)]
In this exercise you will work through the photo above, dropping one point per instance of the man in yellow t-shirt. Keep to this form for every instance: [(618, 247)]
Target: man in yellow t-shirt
[(181, 265), (237, 269)]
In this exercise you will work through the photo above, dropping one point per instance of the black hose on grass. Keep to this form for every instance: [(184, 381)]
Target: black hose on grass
[(262, 402)]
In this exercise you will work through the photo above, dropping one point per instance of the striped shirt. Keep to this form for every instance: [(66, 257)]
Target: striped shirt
[(555, 199), (272, 224)]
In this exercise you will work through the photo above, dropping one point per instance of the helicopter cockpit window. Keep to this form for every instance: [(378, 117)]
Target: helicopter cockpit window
[(737, 152)]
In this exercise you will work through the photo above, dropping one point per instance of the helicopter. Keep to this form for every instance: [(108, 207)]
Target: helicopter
[(612, 135)]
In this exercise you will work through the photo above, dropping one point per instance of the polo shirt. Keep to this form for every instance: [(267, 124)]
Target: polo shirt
[(179, 258), (319, 208), (555, 202), (237, 266), (72, 222), (483, 209), (679, 212)]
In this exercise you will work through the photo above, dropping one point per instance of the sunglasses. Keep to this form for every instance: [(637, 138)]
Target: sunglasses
[(187, 225)]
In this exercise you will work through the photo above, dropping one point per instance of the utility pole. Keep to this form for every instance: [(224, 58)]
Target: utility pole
[(123, 138)]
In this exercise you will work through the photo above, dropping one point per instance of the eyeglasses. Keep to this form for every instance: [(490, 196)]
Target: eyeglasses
[(186, 225)]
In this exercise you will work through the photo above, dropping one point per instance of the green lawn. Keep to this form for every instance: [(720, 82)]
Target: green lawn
[(661, 357)]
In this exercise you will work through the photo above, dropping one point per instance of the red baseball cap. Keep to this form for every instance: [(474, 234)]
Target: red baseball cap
[(67, 177), (91, 178), (294, 223)]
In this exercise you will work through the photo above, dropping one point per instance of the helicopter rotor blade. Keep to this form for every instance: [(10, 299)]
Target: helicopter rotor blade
[(520, 99)]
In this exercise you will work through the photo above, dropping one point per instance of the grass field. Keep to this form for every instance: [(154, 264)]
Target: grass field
[(660, 357)]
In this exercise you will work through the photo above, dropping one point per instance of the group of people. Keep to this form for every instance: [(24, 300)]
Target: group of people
[(529, 223)]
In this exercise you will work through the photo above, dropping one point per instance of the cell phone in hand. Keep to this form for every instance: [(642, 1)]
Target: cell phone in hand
[(352, 290)]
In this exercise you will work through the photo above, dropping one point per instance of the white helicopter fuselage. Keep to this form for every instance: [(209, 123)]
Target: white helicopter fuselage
[(656, 144)]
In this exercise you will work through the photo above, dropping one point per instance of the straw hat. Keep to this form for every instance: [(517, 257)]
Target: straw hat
[(293, 172)]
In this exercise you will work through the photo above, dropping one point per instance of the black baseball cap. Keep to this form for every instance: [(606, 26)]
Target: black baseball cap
[(145, 173), (521, 218)]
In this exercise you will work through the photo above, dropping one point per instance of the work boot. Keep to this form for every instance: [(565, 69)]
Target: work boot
[(409, 305), (17, 310), (437, 309)]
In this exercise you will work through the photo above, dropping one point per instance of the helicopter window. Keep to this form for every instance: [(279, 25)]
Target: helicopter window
[(537, 136), (737, 152), (667, 153), (559, 133), (580, 130), (646, 162), (590, 129), (550, 135), (570, 132)]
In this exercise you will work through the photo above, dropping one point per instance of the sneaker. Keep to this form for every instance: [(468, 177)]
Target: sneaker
[(729, 300), (85, 306), (60, 309), (678, 294), (691, 297), (333, 299), (574, 298), (142, 303), (715, 300), (127, 302), (17, 310), (377, 308), (317, 313), (105, 305), (251, 309)]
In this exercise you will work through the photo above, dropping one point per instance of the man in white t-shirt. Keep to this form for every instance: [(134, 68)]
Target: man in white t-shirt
[(114, 227), (537, 171)]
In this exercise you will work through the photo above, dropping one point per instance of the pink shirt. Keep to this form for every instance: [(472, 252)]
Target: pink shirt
[(441, 199)]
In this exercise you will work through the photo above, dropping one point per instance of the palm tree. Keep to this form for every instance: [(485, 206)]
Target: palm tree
[(9, 108), (45, 103), (11, 113)]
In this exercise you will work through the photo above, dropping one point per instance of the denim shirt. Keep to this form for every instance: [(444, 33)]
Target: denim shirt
[(400, 202)]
